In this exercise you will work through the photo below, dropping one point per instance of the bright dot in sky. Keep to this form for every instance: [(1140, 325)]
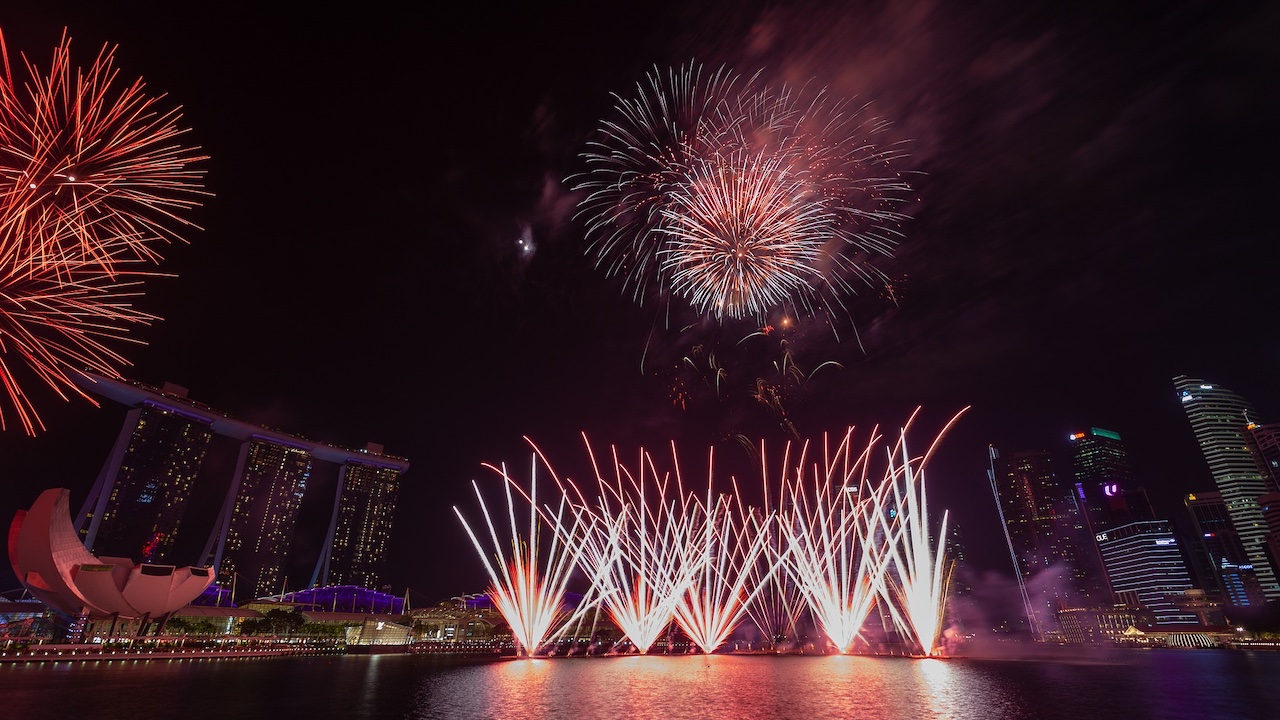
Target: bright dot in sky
[(525, 242)]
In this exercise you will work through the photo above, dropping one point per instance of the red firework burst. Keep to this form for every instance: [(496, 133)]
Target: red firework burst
[(93, 178)]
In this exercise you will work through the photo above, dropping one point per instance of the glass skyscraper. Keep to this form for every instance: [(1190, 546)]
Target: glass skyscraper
[(138, 502), (1221, 420), (1105, 491), (257, 524), (1044, 531), (1228, 567), (361, 525)]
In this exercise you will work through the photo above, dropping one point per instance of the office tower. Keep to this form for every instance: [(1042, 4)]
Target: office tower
[(1104, 481), (1031, 499), (1105, 492), (1228, 568), (1220, 420), (1271, 515), (356, 550), (260, 514), (1264, 441), (1044, 529), (1146, 569), (137, 503), (955, 555)]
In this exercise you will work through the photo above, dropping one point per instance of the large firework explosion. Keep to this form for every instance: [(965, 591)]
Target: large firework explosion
[(850, 530), (739, 198), (93, 179)]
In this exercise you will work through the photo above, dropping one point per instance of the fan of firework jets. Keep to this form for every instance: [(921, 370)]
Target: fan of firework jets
[(834, 538), (93, 178), (739, 197)]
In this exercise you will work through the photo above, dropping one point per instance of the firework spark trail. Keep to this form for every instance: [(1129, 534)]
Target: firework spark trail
[(86, 161), (717, 599), (92, 178), (530, 589), (741, 240), (56, 319), (777, 603), (742, 198), (639, 157), (917, 587), (643, 549), (835, 539), (652, 553)]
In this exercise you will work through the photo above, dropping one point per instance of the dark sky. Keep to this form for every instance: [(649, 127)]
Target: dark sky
[(1093, 216)]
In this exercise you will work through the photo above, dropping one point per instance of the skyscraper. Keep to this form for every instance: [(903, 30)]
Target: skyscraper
[(1103, 478), (1220, 420), (1221, 554), (162, 448), (1271, 513), (1264, 441), (1147, 569), (361, 524), (257, 523), (1105, 491), (139, 499), (1044, 532)]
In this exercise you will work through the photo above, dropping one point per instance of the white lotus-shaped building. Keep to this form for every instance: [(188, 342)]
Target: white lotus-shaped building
[(49, 559)]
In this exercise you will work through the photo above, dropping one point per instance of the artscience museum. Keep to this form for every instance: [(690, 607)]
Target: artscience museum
[(52, 563)]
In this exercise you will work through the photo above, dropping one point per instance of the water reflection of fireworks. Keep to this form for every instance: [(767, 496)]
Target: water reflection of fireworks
[(843, 528)]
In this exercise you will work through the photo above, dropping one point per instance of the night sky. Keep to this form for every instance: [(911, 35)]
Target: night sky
[(1092, 218)]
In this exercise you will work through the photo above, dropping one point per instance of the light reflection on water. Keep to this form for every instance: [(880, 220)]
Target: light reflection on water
[(1151, 685)]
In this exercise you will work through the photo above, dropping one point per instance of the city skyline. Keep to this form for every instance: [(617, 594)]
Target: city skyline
[(1086, 228), (180, 463), (1051, 470)]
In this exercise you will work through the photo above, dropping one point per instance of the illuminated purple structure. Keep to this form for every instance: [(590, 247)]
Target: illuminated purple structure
[(346, 598)]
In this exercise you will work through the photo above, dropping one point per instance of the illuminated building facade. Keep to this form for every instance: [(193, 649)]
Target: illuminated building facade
[(1032, 499), (1264, 441), (251, 538), (260, 514), (1271, 514), (1101, 625), (1228, 567), (1105, 492), (1045, 532), (1221, 421), (1104, 486), (361, 525), (138, 501), (1146, 569)]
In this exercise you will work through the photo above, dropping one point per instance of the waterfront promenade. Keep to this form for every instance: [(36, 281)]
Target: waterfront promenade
[(198, 649), (83, 652)]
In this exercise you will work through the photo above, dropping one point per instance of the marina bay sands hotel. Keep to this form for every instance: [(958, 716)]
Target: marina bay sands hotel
[(137, 503)]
